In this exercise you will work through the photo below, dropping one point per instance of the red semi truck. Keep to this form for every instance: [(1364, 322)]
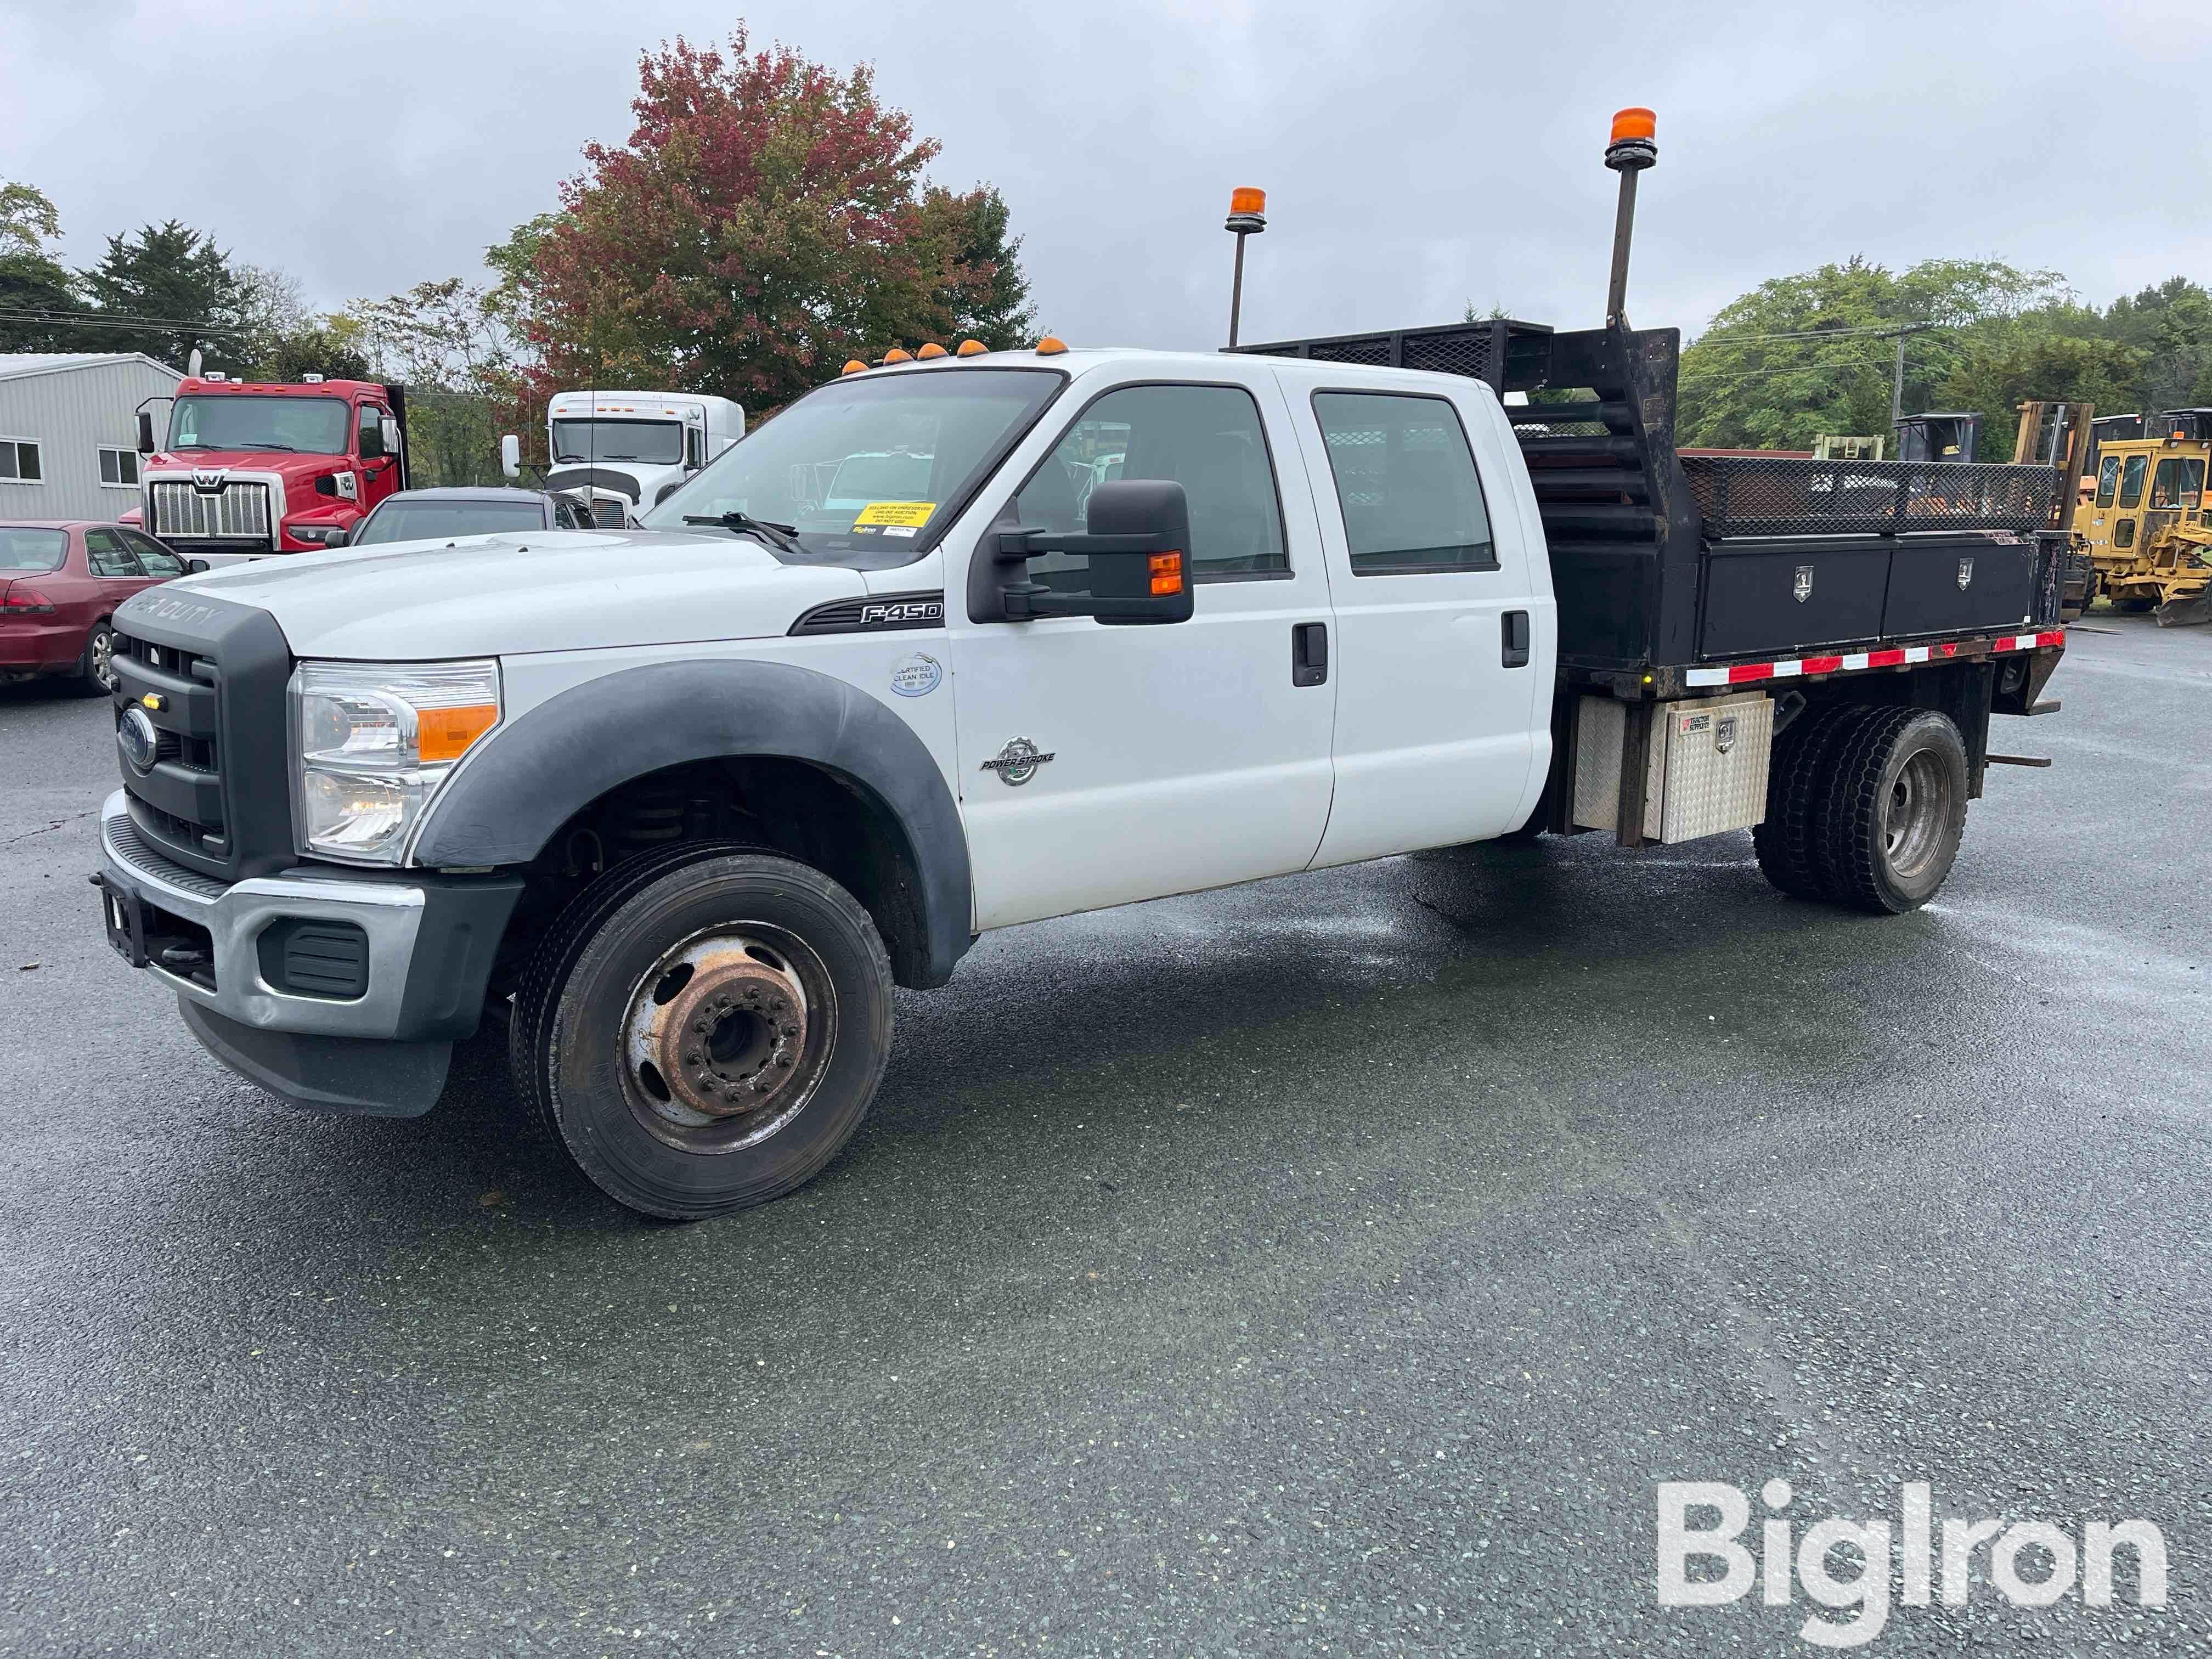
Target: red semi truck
[(248, 468)]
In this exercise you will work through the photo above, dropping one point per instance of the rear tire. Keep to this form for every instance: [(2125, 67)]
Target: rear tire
[(703, 1030), (1788, 843), (95, 674), (1896, 811)]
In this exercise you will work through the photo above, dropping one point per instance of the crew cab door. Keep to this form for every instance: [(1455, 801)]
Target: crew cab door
[(1100, 764), (1445, 624)]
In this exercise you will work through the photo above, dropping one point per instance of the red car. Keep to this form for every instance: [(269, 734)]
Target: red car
[(60, 581)]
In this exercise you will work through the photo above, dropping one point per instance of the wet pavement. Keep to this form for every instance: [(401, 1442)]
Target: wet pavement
[(1333, 1265)]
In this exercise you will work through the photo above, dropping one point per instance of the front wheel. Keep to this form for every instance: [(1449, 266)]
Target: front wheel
[(704, 1029)]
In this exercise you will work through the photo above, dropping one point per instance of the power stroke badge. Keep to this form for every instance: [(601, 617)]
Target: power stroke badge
[(1017, 763)]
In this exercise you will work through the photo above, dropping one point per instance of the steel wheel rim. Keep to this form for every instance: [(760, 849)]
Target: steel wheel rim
[(743, 1077), (103, 659), (1914, 813)]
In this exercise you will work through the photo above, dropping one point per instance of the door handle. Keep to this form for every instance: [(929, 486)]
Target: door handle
[(1309, 654), (1514, 627)]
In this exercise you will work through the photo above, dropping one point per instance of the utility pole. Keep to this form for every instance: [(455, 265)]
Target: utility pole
[(1897, 385)]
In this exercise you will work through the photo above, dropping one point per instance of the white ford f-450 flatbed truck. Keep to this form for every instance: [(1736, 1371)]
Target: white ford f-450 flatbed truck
[(693, 797)]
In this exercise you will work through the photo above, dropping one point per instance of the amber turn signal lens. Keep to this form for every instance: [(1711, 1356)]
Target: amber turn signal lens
[(898, 355), (444, 734), (855, 366), (1167, 574), (971, 348), (1634, 123), (1051, 346), (932, 349), (1245, 199)]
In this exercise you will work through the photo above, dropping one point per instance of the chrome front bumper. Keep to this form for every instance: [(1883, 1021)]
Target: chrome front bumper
[(389, 912)]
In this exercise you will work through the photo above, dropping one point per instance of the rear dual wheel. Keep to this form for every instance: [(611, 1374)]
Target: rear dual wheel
[(1866, 809), (703, 1029)]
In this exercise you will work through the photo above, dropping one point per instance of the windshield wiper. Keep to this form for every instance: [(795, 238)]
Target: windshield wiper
[(784, 538), (290, 449)]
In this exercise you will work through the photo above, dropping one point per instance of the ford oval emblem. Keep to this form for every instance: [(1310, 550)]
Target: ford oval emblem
[(140, 742)]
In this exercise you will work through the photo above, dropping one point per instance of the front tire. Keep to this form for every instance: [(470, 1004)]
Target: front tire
[(703, 1030)]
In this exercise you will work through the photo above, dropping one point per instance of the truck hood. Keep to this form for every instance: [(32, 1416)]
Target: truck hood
[(552, 590), (290, 464)]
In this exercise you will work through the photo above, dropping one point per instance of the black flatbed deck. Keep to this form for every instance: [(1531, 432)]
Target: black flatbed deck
[(1668, 567)]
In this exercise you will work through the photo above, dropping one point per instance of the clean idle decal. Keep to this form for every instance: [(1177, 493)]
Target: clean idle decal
[(918, 675)]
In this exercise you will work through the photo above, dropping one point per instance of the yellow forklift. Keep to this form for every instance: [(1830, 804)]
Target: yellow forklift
[(2145, 522)]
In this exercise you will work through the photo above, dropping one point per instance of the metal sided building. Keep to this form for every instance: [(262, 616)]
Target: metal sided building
[(68, 431)]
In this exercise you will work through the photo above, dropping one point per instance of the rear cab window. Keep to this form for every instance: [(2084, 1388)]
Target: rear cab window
[(1406, 483)]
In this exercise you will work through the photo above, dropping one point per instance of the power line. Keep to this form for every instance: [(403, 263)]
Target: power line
[(118, 320), (1883, 329)]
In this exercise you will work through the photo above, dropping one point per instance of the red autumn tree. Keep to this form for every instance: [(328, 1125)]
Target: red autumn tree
[(767, 220)]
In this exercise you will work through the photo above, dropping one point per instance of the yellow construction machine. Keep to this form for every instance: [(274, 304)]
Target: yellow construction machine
[(2144, 521)]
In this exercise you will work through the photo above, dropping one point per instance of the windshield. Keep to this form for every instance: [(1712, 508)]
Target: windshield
[(869, 472), (313, 426), (31, 550), (658, 443), (422, 521)]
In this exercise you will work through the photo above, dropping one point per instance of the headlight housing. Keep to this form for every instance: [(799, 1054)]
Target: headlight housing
[(371, 743)]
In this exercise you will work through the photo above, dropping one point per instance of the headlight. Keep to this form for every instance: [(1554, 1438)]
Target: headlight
[(373, 742)]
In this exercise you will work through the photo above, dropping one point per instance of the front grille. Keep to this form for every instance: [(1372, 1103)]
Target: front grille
[(182, 510), (606, 514), (210, 675)]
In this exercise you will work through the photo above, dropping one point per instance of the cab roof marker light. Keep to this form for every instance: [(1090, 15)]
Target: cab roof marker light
[(930, 350), (898, 355), (971, 348), (854, 365), (1051, 346)]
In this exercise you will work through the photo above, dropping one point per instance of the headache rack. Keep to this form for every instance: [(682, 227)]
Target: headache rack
[(1663, 560)]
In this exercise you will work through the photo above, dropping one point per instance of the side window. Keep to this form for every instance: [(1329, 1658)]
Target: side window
[(1207, 438), (20, 461), (369, 422), (2131, 485), (108, 556), (2108, 480), (2178, 482), (154, 559), (1406, 480)]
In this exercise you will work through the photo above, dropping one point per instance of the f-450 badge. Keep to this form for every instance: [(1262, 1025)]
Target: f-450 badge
[(1017, 763)]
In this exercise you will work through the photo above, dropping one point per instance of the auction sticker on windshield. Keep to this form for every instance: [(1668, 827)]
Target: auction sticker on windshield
[(907, 514)]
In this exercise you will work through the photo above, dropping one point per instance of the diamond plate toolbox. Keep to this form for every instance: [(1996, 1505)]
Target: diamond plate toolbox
[(1705, 770)]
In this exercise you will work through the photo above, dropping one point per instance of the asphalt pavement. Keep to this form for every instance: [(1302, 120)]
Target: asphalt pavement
[(1333, 1265)]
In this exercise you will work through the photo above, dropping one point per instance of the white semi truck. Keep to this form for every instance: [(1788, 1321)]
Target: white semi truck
[(622, 453), (1134, 623)]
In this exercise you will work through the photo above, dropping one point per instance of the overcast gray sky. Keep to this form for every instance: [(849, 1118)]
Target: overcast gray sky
[(1416, 154)]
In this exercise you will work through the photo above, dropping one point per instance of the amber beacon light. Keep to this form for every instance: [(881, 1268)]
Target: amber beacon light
[(1632, 146), (1248, 217)]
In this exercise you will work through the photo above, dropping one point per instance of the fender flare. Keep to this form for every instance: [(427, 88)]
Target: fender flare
[(506, 802)]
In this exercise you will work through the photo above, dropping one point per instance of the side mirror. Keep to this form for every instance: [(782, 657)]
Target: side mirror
[(194, 566), (510, 455), (338, 537), (388, 427), (1139, 545), (145, 432)]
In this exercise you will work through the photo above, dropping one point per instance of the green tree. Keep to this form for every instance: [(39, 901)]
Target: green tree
[(989, 298), (38, 298), (171, 291), (449, 342), (1994, 377), (2171, 324), (1829, 370)]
